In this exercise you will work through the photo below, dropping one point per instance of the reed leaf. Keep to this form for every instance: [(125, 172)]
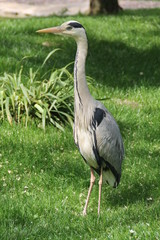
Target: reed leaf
[(2, 107), (25, 92), (9, 117)]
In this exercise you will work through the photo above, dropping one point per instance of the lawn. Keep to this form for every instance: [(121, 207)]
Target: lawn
[(43, 179)]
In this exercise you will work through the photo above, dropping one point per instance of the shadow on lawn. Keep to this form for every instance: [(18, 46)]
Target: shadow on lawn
[(114, 64), (133, 193), (122, 66), (141, 184)]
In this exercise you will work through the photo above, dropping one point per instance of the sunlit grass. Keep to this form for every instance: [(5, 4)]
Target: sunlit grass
[(43, 179)]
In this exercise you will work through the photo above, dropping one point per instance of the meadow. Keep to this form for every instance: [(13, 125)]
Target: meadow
[(43, 179)]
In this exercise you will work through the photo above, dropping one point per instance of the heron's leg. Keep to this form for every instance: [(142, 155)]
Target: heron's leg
[(92, 180), (100, 189)]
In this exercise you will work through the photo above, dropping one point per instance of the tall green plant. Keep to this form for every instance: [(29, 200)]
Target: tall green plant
[(49, 100)]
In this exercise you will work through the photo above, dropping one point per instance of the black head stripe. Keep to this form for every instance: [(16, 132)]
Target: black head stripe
[(76, 25)]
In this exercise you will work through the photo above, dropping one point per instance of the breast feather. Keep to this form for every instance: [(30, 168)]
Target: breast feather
[(85, 142)]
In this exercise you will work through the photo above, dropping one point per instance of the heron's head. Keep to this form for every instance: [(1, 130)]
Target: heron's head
[(70, 28)]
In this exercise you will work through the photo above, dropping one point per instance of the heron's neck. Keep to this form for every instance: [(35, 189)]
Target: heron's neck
[(81, 91)]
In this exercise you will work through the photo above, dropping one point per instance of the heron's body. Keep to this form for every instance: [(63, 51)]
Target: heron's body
[(96, 132), (98, 142)]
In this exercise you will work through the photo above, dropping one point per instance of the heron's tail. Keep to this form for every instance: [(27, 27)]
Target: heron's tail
[(109, 177)]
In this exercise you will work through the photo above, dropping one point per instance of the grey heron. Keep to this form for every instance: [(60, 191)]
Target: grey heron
[(96, 132)]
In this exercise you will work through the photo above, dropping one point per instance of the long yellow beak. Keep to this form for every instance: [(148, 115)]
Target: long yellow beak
[(51, 30)]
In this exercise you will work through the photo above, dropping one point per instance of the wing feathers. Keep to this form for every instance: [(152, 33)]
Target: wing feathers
[(107, 142)]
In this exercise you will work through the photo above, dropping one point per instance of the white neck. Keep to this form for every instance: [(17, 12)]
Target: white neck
[(81, 91)]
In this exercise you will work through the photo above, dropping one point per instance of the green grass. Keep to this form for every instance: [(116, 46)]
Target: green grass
[(43, 179)]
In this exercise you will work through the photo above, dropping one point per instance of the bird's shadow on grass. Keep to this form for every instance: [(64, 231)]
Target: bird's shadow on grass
[(135, 192), (139, 181)]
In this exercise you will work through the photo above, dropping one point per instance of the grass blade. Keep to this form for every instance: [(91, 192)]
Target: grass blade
[(26, 109), (49, 55), (44, 119), (56, 124)]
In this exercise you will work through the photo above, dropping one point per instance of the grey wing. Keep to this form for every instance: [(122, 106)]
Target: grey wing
[(108, 139)]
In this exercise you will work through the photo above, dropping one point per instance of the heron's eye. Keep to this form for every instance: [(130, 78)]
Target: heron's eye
[(68, 28)]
